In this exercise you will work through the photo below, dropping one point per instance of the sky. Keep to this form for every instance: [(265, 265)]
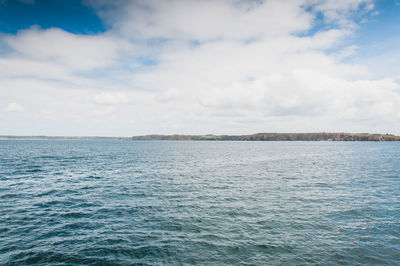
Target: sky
[(125, 68)]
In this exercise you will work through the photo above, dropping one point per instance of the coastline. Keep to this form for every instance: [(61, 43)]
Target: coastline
[(322, 136)]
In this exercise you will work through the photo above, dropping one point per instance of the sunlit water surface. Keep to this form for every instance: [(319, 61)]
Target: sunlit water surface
[(177, 202)]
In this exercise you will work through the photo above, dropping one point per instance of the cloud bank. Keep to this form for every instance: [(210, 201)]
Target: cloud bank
[(222, 67), (13, 107)]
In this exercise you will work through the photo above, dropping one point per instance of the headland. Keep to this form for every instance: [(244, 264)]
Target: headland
[(323, 136)]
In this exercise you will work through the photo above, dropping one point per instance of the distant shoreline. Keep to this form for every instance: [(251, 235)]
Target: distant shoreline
[(59, 138), (323, 136)]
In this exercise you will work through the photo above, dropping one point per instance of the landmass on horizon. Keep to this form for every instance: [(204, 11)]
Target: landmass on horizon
[(322, 136)]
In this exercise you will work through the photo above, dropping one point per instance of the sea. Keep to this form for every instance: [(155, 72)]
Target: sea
[(118, 202)]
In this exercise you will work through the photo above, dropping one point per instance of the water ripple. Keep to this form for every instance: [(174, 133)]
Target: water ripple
[(152, 203)]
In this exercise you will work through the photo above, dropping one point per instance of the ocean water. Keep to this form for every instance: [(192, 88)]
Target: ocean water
[(208, 203)]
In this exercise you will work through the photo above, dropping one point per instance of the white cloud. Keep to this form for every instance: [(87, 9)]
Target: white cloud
[(200, 67), (13, 107), (341, 11), (209, 20), (111, 98), (73, 51), (102, 112)]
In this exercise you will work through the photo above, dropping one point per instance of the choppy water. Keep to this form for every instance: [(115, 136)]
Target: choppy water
[(121, 202)]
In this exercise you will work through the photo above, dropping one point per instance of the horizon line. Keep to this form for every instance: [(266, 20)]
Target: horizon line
[(180, 134)]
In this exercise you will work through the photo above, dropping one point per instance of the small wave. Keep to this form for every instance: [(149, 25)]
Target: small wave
[(93, 177), (50, 257), (76, 215), (274, 248), (10, 195), (34, 170), (47, 193)]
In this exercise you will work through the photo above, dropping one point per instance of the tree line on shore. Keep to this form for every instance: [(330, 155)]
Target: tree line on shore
[(323, 136)]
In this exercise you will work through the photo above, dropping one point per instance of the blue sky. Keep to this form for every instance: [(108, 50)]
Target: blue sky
[(72, 16), (121, 68), (379, 39)]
